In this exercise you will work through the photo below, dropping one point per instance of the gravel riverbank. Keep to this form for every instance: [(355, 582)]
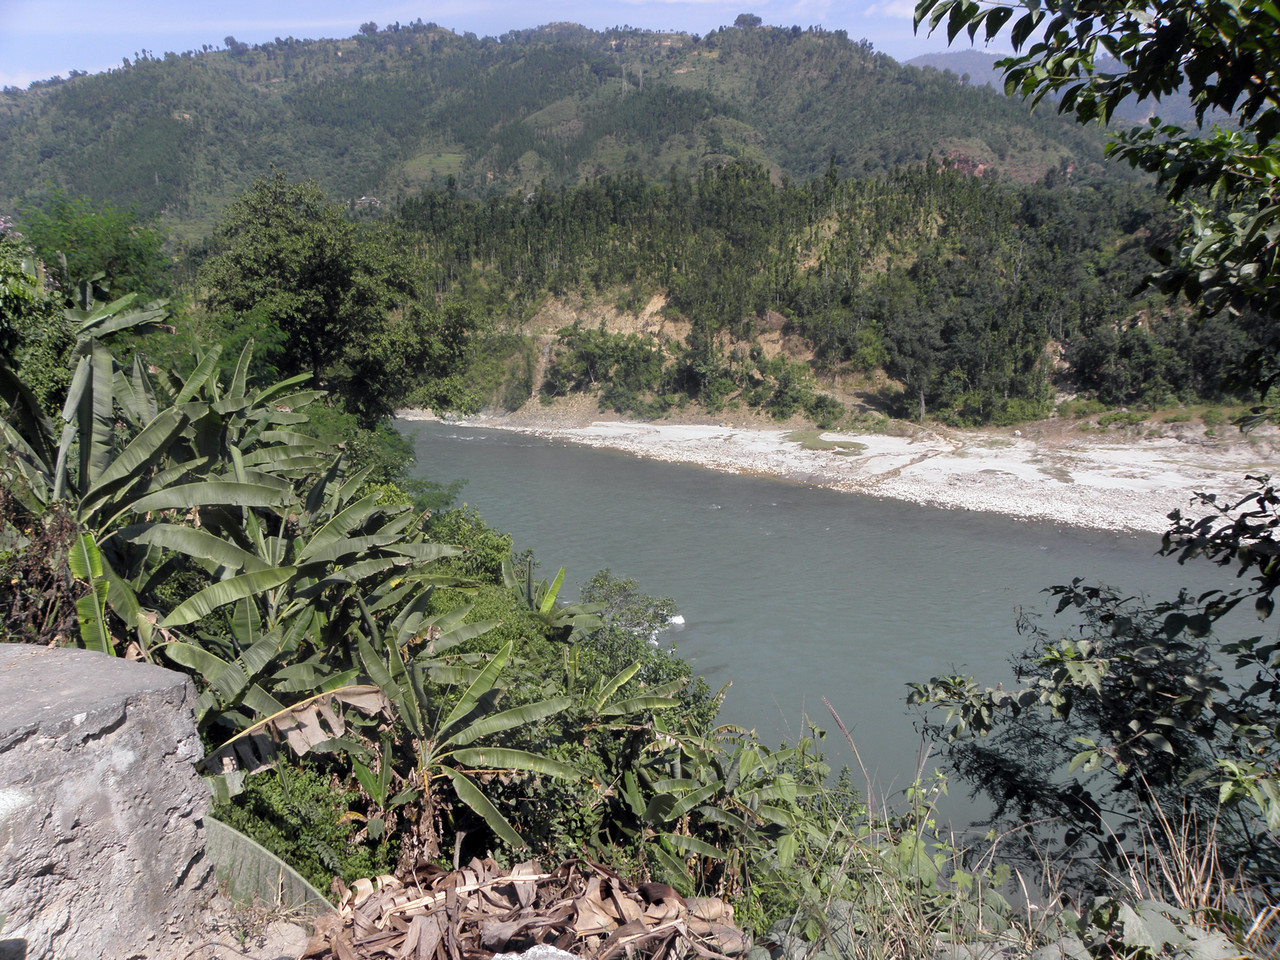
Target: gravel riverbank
[(1049, 471)]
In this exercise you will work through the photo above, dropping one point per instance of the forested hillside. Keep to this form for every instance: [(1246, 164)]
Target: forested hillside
[(980, 300), (393, 110)]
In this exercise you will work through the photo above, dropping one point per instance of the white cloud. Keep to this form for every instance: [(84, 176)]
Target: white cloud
[(897, 9)]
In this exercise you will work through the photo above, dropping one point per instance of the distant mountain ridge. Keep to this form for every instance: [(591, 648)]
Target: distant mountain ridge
[(388, 112), (980, 69)]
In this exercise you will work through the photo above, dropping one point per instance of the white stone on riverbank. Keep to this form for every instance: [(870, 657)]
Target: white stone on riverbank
[(1053, 474)]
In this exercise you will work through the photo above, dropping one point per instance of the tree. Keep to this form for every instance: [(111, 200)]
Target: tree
[(34, 336), (96, 239), (1138, 706), (1226, 56), (289, 258)]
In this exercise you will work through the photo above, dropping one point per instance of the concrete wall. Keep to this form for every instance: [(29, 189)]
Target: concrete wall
[(101, 847)]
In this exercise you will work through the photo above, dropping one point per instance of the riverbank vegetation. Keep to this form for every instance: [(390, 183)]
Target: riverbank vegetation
[(925, 293), (385, 681), (383, 685)]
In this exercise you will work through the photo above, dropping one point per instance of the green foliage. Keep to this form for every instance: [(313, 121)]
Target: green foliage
[(962, 288), (420, 105), (1076, 409), (483, 549), (34, 335), (1227, 58), (302, 814), (88, 240), (1144, 929), (1137, 718), (626, 369), (290, 259), (1125, 418)]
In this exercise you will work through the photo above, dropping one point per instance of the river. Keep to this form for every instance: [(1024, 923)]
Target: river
[(792, 593)]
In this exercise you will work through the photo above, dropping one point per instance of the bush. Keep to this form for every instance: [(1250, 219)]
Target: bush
[(1077, 409), (825, 411), (1126, 418), (304, 815)]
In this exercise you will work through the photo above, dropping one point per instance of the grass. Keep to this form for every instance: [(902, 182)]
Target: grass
[(433, 163), (813, 439)]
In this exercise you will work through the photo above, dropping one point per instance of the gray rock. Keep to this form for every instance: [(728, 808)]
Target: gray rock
[(100, 843), (540, 951)]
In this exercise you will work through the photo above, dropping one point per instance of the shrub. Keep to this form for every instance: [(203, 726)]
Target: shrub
[(304, 815)]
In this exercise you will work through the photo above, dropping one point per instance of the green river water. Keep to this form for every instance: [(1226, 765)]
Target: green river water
[(792, 593)]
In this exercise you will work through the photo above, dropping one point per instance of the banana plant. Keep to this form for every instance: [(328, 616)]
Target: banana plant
[(85, 564), (573, 619), (739, 817), (446, 747)]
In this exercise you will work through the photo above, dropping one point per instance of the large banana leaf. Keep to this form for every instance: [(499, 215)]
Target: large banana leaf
[(692, 845), (124, 601), (549, 598), (229, 681), (340, 525), (693, 799), (272, 393), (103, 319), (426, 552), (394, 684), (227, 591), (509, 719), (505, 758), (352, 574), (282, 451), (85, 563), (347, 547), (95, 414), (34, 489), (479, 687), (207, 367), (241, 374), (622, 708), (206, 493), (31, 424), (136, 460), (287, 438), (456, 635), (472, 796)]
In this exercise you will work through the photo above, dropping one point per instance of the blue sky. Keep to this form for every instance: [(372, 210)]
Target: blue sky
[(43, 38)]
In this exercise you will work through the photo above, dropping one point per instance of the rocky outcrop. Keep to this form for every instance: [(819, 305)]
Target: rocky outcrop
[(101, 847)]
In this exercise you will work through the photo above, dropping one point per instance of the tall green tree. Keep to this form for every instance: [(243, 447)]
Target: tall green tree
[(100, 239), (1226, 57), (288, 258)]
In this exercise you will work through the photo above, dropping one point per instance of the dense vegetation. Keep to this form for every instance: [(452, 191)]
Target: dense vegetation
[(390, 111), (432, 695), (980, 299), (215, 488)]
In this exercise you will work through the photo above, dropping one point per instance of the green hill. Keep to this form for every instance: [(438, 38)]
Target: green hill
[(388, 112)]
